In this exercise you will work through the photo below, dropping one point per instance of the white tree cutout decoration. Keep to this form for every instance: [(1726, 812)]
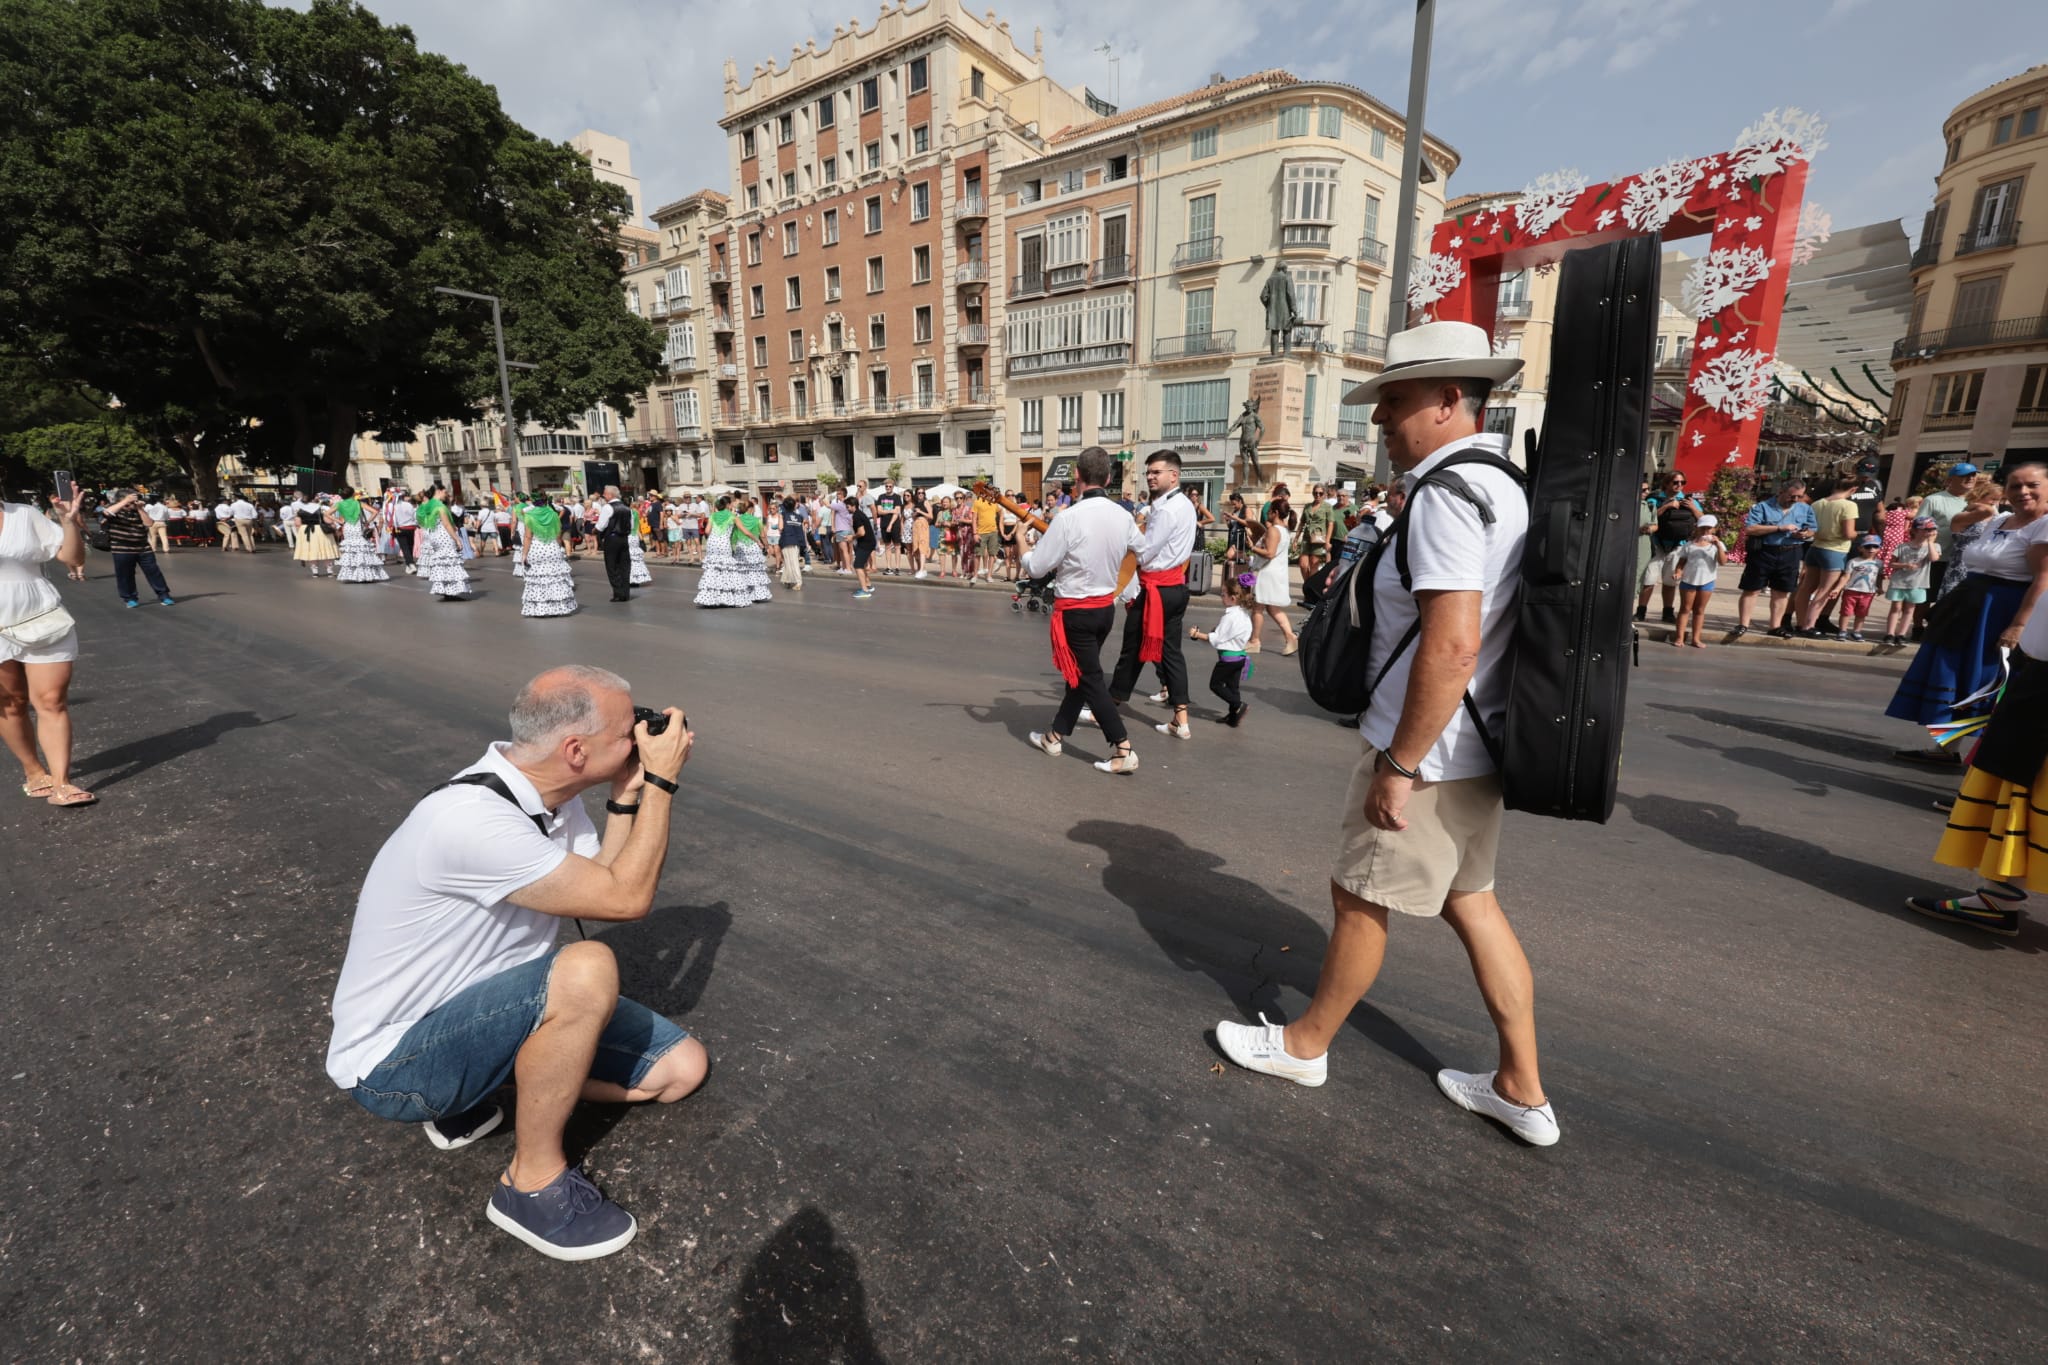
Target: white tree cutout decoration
[(1655, 197), (1436, 275), (1723, 277), (1778, 139), (1816, 225), (1546, 200), (1737, 383)]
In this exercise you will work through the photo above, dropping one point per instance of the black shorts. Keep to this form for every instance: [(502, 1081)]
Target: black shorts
[(1771, 566), (863, 551)]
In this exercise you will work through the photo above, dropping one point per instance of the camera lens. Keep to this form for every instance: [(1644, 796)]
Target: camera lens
[(656, 721)]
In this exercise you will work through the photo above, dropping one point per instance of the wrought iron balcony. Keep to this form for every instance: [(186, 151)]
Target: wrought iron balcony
[(1679, 359), (971, 206), (973, 334), (1031, 440), (682, 364), (1370, 344), (657, 310), (1070, 438), (1074, 276), (971, 272), (1027, 286), (1200, 251), (974, 396), (728, 373), (1305, 234), (1112, 268), (1071, 358), (1988, 238), (1372, 251), (2011, 332), (1512, 309), (721, 322), (1928, 253), (1220, 342)]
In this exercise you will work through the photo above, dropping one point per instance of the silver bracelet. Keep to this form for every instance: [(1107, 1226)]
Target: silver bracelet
[(1395, 764)]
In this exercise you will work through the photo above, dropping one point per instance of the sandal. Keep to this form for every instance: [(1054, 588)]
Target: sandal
[(67, 795), (1121, 761), (40, 788)]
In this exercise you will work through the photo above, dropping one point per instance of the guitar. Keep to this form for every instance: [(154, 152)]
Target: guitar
[(988, 493)]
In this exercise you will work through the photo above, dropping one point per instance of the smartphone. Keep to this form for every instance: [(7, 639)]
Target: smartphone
[(64, 485)]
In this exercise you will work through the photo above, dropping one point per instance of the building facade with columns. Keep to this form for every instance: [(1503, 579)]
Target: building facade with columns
[(856, 272), (1971, 372), (666, 443), (1204, 196)]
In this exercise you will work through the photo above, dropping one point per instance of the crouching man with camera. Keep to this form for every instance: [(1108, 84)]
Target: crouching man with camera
[(453, 983)]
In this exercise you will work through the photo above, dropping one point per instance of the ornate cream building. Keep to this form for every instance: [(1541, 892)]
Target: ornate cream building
[(1972, 369)]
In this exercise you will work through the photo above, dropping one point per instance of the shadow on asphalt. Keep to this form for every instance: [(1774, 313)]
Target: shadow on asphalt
[(1241, 936), (1818, 779), (1020, 718), (1720, 831), (1834, 743), (139, 756), (802, 1300)]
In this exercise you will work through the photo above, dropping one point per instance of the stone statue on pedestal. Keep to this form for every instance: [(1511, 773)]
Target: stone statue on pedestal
[(1282, 317), (1250, 430)]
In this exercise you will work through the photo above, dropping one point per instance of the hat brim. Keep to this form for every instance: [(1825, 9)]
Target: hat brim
[(1494, 370)]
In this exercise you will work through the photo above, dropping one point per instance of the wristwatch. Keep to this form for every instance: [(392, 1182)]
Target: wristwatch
[(616, 809)]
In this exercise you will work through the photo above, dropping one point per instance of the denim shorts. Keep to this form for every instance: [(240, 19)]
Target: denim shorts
[(451, 1060), (1833, 561)]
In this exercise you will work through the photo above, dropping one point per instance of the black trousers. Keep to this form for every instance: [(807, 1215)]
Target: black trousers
[(1086, 631), (402, 538), (618, 565), (1173, 665), (124, 573), (1223, 681)]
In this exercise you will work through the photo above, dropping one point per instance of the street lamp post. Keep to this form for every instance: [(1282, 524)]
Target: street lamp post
[(1411, 178), (508, 435)]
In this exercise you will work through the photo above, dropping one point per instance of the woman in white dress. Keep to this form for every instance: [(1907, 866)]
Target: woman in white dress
[(748, 537), (1272, 592), (637, 575), (724, 583), (440, 555), (360, 562), (38, 643), (543, 561)]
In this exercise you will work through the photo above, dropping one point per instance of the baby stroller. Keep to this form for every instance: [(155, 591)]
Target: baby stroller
[(1032, 594)]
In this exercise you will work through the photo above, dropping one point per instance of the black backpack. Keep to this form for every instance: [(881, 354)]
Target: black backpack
[(1336, 641)]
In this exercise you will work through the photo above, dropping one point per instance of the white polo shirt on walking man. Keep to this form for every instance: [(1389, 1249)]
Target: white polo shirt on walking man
[(1451, 550)]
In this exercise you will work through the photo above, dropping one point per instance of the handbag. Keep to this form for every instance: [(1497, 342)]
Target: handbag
[(47, 628)]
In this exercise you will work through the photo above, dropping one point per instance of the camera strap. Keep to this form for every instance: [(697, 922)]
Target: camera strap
[(496, 784)]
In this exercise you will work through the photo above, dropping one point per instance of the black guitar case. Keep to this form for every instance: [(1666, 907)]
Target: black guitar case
[(1562, 735)]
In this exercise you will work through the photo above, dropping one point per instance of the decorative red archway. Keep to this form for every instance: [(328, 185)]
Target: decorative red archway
[(1748, 198)]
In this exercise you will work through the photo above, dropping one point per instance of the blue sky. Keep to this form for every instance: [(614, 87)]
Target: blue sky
[(1520, 87)]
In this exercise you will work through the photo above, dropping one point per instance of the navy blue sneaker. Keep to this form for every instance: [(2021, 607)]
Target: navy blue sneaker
[(451, 1132), (569, 1220)]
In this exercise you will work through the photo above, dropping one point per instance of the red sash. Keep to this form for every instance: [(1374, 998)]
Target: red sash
[(1152, 644), (1062, 655)]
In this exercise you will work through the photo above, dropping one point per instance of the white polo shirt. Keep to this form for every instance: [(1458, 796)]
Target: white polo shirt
[(244, 510), (155, 511), (432, 918), (1450, 549)]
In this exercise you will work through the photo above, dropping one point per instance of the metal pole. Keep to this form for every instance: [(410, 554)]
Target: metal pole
[(1411, 179), (509, 439)]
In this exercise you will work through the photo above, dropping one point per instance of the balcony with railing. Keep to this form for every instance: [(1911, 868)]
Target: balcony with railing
[(973, 396), (1112, 268), (1949, 421), (973, 334), (1031, 440), (1027, 286), (1200, 251), (1989, 237), (971, 206), (1926, 254), (1511, 310), (1073, 275), (682, 364), (1071, 358), (728, 372), (971, 272), (1371, 345), (1195, 345), (2011, 332), (2030, 417), (721, 322), (657, 310), (681, 303), (1680, 358), (1305, 234), (1372, 251)]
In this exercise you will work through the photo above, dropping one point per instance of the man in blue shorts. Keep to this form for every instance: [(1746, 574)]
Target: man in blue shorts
[(453, 984), (1774, 535)]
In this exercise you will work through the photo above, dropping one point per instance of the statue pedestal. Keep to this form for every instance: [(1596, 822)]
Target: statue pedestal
[(1280, 383)]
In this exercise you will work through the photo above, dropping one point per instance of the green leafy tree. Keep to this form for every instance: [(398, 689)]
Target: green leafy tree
[(98, 453), (233, 217)]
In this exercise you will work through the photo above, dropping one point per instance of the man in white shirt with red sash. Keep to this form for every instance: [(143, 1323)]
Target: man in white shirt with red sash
[(1084, 548), (1158, 597)]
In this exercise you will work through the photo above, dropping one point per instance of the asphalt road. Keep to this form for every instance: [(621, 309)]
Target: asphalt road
[(963, 1103)]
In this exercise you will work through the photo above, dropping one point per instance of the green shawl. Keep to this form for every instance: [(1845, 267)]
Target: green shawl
[(349, 510), (544, 522), (431, 513)]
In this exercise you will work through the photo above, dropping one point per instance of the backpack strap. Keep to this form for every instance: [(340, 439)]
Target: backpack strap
[(493, 782)]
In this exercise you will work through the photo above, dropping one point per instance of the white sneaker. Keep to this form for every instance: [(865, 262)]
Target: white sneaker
[(1167, 727), (1264, 1048), (1087, 717), (920, 574), (1467, 1090), (1160, 697)]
